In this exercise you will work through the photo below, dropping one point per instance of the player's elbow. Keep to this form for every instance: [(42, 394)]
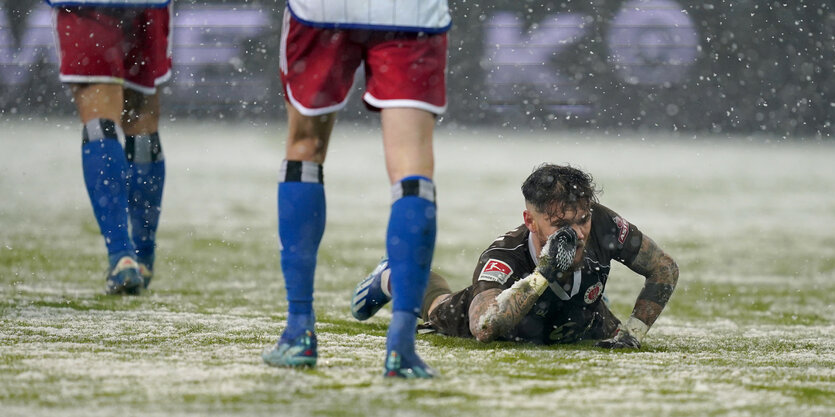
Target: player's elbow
[(664, 272), (482, 331), (483, 336), (486, 322), (673, 272)]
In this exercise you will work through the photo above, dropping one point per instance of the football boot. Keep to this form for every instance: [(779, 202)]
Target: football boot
[(368, 296), (297, 352), (124, 277), (400, 366), (146, 273)]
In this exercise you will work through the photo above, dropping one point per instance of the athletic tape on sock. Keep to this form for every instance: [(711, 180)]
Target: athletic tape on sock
[(301, 171), (413, 186), (143, 149), (100, 129)]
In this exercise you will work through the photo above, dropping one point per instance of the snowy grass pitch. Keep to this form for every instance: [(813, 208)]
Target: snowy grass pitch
[(749, 331)]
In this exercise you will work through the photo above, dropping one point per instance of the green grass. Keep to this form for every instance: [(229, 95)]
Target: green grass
[(750, 329)]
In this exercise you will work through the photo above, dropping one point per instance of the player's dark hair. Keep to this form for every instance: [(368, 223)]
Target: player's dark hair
[(554, 189)]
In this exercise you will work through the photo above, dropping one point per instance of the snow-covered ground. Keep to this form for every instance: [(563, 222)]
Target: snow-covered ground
[(748, 332)]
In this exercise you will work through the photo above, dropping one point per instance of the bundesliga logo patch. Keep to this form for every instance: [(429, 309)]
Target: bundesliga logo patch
[(496, 271), (623, 228)]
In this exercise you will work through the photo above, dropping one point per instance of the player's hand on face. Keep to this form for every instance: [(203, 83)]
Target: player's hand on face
[(622, 340), (558, 254)]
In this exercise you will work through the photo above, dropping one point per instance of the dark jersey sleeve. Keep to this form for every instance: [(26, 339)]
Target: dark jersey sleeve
[(617, 238), (503, 263)]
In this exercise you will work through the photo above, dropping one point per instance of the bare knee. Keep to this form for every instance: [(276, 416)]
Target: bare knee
[(141, 114), (308, 136)]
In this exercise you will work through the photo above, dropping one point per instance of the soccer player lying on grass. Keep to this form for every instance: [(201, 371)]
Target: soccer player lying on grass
[(543, 281)]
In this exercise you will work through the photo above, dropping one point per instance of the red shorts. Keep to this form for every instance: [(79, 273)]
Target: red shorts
[(401, 69), (114, 45)]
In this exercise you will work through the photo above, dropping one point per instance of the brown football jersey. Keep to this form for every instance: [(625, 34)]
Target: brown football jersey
[(562, 314)]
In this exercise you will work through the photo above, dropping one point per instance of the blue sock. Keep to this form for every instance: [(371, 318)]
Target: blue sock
[(296, 325), (104, 165), (401, 335), (301, 224), (410, 243), (146, 178)]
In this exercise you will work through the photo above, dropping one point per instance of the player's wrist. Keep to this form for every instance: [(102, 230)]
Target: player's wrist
[(538, 282), (637, 328)]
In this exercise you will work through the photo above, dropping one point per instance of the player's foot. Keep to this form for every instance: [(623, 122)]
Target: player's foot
[(369, 297), (407, 367), (146, 273), (124, 277), (297, 352)]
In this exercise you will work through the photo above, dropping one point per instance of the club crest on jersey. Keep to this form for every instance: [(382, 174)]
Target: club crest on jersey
[(496, 271), (593, 293), (623, 228)]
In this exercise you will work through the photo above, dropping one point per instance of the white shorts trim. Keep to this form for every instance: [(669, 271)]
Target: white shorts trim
[(141, 88), (415, 104), (306, 111), (91, 79), (98, 79)]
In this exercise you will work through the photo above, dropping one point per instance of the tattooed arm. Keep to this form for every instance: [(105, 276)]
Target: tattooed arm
[(661, 274), (494, 313)]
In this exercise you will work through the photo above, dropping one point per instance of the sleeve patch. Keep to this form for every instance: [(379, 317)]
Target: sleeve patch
[(496, 271), (623, 228)]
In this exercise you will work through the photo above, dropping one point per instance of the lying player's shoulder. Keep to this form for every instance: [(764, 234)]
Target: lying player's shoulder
[(511, 239)]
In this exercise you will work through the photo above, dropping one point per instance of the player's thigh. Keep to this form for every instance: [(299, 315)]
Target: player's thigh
[(98, 101), (147, 58), (406, 70), (90, 42), (317, 66)]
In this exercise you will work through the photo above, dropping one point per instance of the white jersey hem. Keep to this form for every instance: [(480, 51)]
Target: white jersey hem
[(429, 16), (110, 3)]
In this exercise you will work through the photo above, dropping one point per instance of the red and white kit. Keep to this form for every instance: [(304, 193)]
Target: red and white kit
[(402, 43), (120, 45)]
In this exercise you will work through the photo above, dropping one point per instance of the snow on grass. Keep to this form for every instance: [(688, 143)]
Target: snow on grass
[(748, 332)]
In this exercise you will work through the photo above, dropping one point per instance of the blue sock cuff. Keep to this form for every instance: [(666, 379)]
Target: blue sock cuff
[(413, 186), (301, 171), (143, 149), (99, 129)]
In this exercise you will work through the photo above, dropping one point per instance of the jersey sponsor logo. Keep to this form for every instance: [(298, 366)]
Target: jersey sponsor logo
[(496, 271), (593, 293), (623, 228)]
